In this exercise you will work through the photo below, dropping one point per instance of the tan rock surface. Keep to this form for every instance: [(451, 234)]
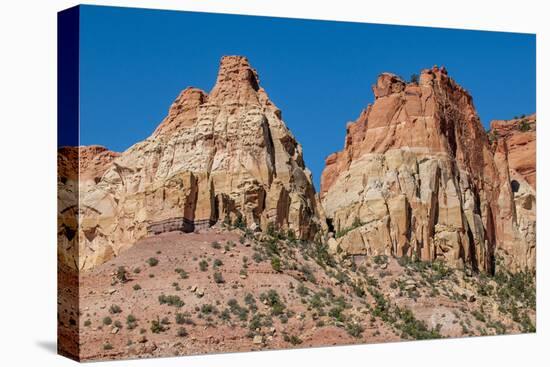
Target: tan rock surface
[(515, 142), (418, 177), (79, 168), (520, 136), (214, 158)]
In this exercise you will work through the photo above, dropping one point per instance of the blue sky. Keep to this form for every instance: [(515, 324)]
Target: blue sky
[(134, 62)]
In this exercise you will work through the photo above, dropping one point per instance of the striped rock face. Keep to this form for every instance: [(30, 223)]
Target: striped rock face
[(418, 177), (216, 157)]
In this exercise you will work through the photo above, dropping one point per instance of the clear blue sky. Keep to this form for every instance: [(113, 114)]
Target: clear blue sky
[(134, 62)]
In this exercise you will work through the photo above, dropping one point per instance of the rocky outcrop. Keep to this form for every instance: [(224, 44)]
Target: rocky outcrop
[(520, 136), (215, 157), (79, 169), (514, 142), (418, 177)]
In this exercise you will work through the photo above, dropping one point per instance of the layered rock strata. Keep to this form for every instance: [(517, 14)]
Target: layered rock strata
[(215, 157), (418, 177), (514, 141)]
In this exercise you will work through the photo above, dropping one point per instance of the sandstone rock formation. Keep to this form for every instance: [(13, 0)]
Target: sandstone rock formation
[(418, 177), (215, 157), (520, 136), (79, 168), (515, 142)]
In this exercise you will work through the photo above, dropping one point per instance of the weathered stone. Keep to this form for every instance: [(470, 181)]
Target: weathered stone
[(216, 157), (418, 177)]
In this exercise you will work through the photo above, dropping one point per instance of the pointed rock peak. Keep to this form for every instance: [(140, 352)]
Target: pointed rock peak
[(183, 112), (190, 97), (236, 79), (386, 84)]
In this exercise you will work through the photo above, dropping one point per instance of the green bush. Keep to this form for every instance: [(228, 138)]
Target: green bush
[(184, 318), (183, 274), (157, 327), (207, 309), (152, 261), (354, 329), (524, 126), (171, 300), (203, 265), (239, 222), (114, 309), (272, 299), (292, 339), (122, 274), (276, 264), (131, 322)]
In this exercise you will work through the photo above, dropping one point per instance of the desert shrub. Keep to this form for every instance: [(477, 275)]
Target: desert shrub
[(107, 346), (122, 274), (302, 290), (183, 274), (337, 313), (414, 328), (184, 318), (356, 224), (316, 302), (217, 263), (152, 261), (272, 299), (107, 320), (380, 259), (354, 329), (276, 264), (308, 273), (225, 315), (216, 245), (118, 324), (182, 332), (414, 78), (207, 309), (131, 322), (524, 126), (259, 320), (250, 302), (114, 309), (87, 323), (136, 287), (292, 339), (239, 222), (157, 327), (171, 300), (218, 278), (257, 257), (203, 265)]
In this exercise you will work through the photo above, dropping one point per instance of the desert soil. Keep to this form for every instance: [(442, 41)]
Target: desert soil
[(259, 291)]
